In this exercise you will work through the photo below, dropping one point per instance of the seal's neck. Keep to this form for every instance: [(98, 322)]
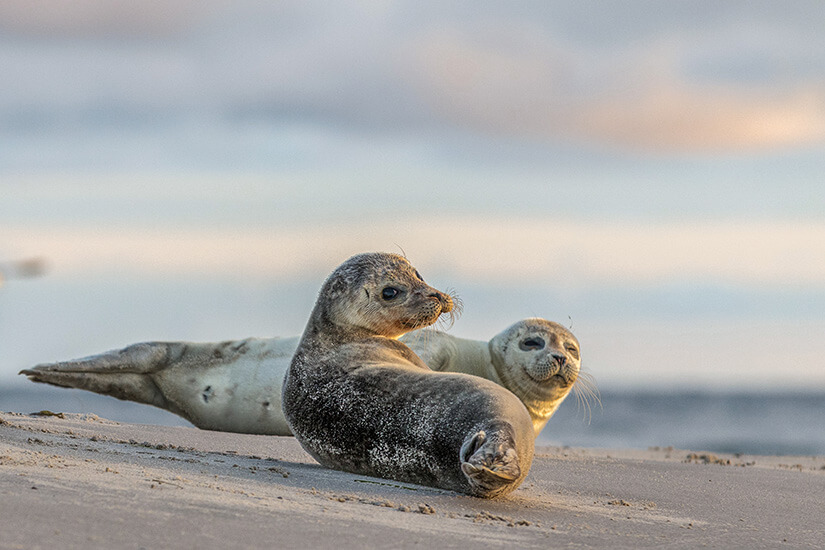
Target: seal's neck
[(496, 366), (474, 358), (322, 329)]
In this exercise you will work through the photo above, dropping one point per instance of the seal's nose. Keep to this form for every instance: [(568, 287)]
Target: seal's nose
[(445, 301)]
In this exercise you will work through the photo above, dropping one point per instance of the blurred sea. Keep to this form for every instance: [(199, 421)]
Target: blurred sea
[(786, 423)]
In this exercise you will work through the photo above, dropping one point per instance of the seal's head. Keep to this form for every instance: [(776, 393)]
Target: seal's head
[(537, 359), (381, 294)]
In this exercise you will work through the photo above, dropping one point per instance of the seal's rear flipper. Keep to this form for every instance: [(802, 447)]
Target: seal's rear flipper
[(489, 466), (125, 373)]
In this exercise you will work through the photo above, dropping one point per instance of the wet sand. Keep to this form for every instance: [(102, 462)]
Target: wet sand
[(80, 481)]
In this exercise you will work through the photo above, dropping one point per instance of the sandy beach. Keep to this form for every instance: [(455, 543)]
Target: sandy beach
[(80, 481)]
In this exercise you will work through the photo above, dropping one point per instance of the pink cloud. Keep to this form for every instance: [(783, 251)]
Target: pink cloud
[(625, 99)]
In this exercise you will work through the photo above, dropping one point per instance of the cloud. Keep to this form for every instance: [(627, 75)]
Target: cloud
[(688, 118), (491, 251), (556, 93), (97, 19), (671, 79)]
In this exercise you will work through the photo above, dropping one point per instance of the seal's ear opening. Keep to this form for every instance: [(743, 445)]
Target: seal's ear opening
[(337, 285)]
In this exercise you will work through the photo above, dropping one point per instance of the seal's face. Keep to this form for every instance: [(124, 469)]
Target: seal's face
[(383, 294), (544, 352)]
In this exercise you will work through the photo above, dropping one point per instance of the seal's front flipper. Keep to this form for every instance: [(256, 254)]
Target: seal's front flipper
[(125, 373), (489, 466)]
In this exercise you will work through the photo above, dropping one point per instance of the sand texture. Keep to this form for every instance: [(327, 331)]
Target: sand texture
[(79, 481)]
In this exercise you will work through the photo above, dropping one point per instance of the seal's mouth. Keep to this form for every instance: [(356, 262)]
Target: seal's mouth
[(558, 380), (433, 307), (553, 370), (561, 379), (543, 372)]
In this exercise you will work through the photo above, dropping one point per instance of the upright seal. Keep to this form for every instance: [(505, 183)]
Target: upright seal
[(359, 400)]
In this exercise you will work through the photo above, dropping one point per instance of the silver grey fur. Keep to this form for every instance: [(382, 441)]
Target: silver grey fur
[(359, 400)]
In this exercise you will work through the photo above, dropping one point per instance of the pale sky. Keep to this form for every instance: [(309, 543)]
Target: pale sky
[(650, 172)]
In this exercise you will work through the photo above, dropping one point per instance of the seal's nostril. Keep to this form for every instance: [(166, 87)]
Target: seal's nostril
[(560, 359), (445, 301)]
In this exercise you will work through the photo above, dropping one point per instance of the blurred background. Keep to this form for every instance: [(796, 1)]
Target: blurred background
[(647, 173)]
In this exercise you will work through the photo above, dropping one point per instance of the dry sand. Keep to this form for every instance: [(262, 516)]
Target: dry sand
[(79, 481)]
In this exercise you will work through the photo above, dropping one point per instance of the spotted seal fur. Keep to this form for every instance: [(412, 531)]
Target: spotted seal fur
[(359, 400)]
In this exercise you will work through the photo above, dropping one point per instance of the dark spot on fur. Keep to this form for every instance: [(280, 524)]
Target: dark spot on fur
[(207, 392), (266, 403)]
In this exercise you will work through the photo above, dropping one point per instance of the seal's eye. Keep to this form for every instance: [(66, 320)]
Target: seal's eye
[(572, 351), (531, 344), (389, 293)]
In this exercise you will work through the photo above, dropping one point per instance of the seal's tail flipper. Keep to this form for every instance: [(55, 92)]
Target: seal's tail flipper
[(490, 467), (125, 374)]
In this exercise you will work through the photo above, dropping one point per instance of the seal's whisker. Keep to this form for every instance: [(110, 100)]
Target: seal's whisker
[(419, 338), (582, 403), (413, 338), (425, 336), (588, 384), (590, 391), (445, 323), (585, 390), (423, 344), (403, 253)]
